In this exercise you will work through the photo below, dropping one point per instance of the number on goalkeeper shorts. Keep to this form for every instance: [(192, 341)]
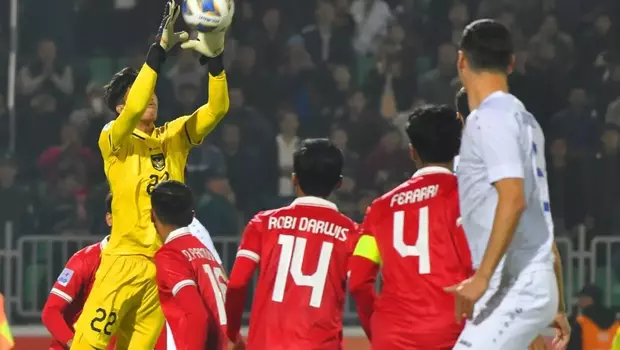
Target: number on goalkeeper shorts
[(291, 260), (219, 290), (420, 249)]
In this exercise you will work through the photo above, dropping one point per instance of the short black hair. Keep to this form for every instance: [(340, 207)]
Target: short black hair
[(115, 90), (318, 166), (488, 45), (461, 103), (435, 133), (173, 203), (108, 202)]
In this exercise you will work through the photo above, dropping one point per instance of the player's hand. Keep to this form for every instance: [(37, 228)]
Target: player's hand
[(562, 331), (165, 35), (467, 293), (207, 44), (239, 344), (538, 344)]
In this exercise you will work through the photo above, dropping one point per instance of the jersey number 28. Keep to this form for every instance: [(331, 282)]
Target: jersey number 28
[(420, 249), (291, 260)]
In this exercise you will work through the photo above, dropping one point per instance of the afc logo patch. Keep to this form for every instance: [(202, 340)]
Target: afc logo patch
[(65, 277), (158, 161)]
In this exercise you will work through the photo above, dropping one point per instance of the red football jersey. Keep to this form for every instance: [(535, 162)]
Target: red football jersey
[(423, 249), (302, 251), (75, 282), (183, 261)]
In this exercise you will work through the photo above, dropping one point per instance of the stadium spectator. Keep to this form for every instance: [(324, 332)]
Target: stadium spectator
[(578, 122), (440, 84), (215, 208), (287, 143), (371, 18), (596, 326), (324, 42), (70, 155), (605, 180), (16, 205)]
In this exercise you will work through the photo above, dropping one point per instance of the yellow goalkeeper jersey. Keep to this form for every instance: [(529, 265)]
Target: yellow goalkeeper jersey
[(136, 162)]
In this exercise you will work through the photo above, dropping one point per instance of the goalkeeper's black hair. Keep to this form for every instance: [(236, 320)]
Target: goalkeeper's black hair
[(435, 133), (115, 90), (108, 202), (318, 167), (173, 203), (487, 45), (461, 103)]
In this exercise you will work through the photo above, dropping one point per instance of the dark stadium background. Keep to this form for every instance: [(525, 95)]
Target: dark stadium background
[(296, 68)]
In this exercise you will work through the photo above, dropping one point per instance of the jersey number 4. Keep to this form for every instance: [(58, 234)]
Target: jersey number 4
[(291, 260), (420, 249)]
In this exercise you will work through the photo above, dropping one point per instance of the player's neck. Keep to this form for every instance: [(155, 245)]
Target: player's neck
[(448, 165), (146, 128), (482, 85)]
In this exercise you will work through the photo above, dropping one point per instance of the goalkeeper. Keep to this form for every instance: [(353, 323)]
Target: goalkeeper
[(137, 156)]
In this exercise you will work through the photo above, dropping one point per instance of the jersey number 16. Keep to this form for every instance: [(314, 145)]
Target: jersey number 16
[(291, 260)]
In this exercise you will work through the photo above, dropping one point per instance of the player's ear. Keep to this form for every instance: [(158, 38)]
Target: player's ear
[(460, 62), (339, 183), (415, 156), (108, 219), (511, 66), (119, 108), (294, 180)]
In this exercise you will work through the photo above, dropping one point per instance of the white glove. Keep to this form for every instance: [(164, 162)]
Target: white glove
[(208, 44), (166, 35)]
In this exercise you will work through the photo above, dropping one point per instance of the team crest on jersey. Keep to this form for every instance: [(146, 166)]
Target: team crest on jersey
[(65, 277), (158, 161)]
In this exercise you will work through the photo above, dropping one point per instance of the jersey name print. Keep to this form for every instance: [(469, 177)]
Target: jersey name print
[(414, 233), (302, 252)]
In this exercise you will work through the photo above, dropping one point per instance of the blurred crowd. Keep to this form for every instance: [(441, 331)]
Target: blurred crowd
[(350, 70)]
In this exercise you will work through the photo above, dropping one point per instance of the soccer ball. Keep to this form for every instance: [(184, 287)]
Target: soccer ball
[(208, 15)]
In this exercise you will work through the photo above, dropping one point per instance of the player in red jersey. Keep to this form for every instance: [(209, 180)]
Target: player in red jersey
[(67, 297), (302, 252), (191, 282), (412, 234)]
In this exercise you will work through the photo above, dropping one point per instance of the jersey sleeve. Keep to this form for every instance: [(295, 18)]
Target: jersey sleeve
[(189, 131), (116, 132), (173, 271), (498, 140), (250, 246), (72, 279), (366, 246), (200, 232)]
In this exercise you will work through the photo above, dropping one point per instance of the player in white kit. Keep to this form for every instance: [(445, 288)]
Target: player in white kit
[(504, 203)]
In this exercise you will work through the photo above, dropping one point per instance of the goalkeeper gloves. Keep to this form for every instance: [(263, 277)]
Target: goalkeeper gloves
[(166, 36), (207, 44)]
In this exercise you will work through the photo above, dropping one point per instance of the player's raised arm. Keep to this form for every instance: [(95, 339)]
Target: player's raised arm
[(142, 86), (204, 119), (248, 258)]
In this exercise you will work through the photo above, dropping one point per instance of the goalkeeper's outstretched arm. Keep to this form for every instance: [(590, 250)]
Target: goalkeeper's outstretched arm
[(205, 118), (138, 98)]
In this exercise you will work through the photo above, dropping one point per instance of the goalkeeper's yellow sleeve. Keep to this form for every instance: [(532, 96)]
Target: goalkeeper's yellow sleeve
[(137, 101), (204, 120)]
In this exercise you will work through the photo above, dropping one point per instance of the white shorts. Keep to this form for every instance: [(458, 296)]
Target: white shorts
[(511, 316)]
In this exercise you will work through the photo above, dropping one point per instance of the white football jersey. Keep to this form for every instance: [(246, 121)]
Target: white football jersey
[(200, 232), (503, 140)]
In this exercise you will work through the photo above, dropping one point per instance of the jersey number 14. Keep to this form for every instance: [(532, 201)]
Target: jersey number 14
[(420, 249), (291, 260)]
